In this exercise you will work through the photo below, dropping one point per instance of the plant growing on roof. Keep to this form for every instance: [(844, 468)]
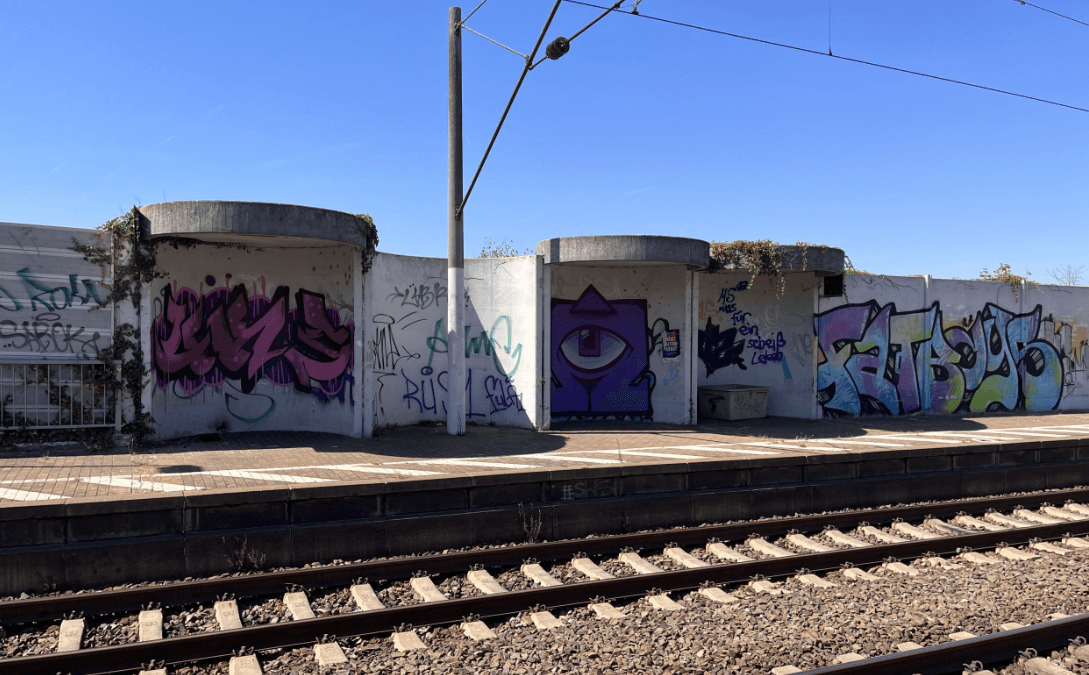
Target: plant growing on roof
[(762, 257)]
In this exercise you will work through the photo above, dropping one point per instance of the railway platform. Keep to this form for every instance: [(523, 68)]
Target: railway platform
[(70, 517)]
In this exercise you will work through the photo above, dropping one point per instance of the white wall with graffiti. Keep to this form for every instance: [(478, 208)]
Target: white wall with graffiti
[(406, 341), (54, 321), (620, 339), (52, 302), (907, 345), (246, 338), (756, 332)]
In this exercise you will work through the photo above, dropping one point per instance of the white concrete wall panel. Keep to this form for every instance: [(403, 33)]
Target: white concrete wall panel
[(254, 338), (610, 328), (406, 350), (751, 332), (1064, 324), (52, 302)]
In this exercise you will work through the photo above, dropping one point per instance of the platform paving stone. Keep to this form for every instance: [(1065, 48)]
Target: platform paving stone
[(31, 474)]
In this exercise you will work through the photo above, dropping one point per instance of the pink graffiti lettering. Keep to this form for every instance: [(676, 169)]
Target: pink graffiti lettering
[(202, 340)]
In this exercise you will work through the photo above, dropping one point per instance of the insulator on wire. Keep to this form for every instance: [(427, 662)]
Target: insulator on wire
[(557, 48)]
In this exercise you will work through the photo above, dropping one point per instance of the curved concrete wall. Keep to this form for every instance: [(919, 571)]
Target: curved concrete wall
[(245, 337)]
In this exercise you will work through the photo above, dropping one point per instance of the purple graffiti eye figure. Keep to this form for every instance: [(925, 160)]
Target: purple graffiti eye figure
[(591, 349), (599, 358)]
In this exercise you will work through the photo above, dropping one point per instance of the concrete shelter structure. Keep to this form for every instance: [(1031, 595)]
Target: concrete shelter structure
[(279, 317)]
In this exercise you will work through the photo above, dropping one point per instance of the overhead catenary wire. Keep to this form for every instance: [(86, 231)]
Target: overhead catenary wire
[(470, 15), (521, 78), (1049, 11), (817, 52)]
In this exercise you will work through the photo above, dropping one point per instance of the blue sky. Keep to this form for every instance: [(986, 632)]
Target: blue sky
[(641, 128)]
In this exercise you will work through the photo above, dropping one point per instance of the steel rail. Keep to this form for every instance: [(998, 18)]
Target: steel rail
[(949, 657), (48, 608), (219, 644)]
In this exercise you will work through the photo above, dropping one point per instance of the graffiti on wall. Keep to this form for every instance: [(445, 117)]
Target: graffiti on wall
[(498, 391), (410, 364), (48, 329), (600, 357), (738, 340), (876, 360), (230, 338)]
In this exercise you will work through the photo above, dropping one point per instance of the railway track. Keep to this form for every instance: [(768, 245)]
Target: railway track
[(813, 543)]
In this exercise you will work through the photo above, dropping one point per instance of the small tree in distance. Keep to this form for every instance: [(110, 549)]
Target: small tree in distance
[(1069, 275), (502, 249)]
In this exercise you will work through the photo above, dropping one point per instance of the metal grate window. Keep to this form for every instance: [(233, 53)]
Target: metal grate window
[(56, 395)]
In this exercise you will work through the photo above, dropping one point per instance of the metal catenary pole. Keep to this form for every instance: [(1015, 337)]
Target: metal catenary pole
[(455, 271)]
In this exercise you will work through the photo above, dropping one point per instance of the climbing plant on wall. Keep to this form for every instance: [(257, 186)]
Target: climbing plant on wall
[(132, 257), (365, 224)]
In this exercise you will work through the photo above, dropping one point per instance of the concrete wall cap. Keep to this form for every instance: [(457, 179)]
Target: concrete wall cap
[(626, 249), (251, 223)]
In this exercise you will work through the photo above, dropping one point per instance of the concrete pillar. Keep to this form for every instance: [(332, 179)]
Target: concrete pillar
[(144, 326), (690, 340), (366, 330), (544, 302), (359, 372)]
